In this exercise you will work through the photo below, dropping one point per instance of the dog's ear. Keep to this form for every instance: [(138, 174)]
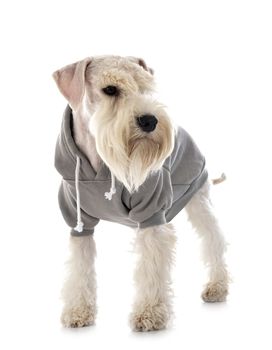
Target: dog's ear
[(71, 81), (142, 63)]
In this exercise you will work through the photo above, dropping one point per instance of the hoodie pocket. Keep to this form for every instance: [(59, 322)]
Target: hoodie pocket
[(93, 201)]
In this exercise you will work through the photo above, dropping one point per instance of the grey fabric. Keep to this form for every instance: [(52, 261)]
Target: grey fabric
[(159, 199)]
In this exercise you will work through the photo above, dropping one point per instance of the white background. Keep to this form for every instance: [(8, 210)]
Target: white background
[(213, 65)]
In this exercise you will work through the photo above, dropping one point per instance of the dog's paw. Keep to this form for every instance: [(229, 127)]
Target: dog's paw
[(78, 316), (150, 318), (215, 292)]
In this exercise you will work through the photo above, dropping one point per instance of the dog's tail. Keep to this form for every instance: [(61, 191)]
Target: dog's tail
[(220, 179)]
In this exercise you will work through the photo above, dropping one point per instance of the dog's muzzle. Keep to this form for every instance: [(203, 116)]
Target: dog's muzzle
[(147, 122)]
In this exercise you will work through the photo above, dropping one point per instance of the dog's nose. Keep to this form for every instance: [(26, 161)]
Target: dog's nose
[(147, 122)]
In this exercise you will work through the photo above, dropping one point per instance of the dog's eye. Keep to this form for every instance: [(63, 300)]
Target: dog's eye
[(111, 90)]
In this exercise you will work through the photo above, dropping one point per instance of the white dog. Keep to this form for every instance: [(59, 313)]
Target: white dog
[(122, 160)]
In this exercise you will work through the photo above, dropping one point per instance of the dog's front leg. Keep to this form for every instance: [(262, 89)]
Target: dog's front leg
[(200, 213), (79, 291), (152, 307)]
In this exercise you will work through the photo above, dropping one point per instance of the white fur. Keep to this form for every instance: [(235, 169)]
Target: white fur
[(200, 213), (79, 290), (105, 129), (131, 154), (153, 305)]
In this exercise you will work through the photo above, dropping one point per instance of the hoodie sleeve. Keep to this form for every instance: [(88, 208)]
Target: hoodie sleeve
[(68, 208), (150, 203)]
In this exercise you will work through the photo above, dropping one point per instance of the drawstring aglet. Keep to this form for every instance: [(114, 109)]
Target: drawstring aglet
[(108, 195), (79, 227)]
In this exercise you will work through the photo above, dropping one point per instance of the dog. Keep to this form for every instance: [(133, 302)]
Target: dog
[(123, 160)]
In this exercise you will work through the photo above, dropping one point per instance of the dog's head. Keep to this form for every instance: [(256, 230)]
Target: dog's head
[(132, 131)]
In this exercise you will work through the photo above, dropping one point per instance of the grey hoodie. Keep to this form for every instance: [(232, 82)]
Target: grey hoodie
[(158, 200)]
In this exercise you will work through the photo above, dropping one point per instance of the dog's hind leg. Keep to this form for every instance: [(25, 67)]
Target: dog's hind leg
[(200, 213), (79, 290), (152, 307)]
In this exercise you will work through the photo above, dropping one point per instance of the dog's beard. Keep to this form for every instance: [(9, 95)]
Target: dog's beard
[(146, 156), (130, 154)]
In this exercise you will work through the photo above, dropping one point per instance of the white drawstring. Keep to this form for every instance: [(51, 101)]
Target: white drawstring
[(80, 224), (108, 195)]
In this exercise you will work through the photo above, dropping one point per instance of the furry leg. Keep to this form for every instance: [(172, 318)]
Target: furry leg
[(201, 215), (79, 290), (152, 307)]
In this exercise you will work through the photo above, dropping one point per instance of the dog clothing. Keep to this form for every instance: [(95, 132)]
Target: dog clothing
[(83, 196)]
